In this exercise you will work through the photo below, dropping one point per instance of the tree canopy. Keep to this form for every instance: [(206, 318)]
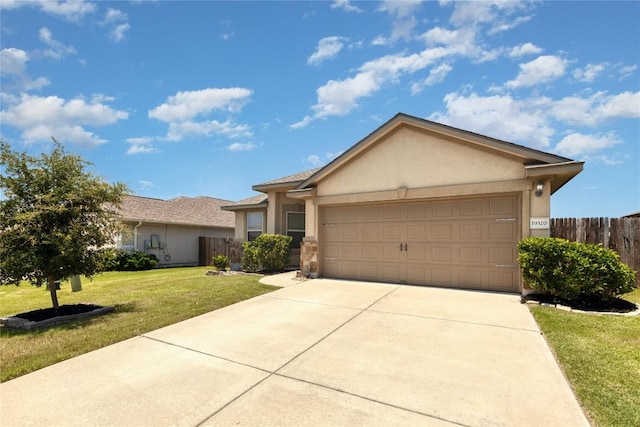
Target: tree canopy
[(55, 217)]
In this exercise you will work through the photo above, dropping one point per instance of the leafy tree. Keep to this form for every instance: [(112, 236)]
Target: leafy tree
[(54, 217)]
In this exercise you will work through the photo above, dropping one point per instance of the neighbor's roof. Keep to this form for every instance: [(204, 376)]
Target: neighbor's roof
[(286, 181), (200, 211)]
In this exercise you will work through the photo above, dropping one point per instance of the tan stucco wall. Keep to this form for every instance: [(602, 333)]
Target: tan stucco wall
[(414, 159), (181, 242)]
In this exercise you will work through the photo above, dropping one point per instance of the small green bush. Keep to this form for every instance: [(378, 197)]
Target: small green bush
[(122, 260), (573, 270), (268, 252), (221, 262)]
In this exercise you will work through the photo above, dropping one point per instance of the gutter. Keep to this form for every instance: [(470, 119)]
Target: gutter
[(135, 235)]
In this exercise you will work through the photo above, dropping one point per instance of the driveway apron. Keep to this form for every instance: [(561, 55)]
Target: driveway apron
[(319, 352)]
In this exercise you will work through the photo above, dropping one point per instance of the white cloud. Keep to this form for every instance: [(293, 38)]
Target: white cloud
[(500, 116), (180, 130), (118, 24), (345, 5), (340, 97), (589, 73), (13, 61), (186, 105), (145, 185), (543, 69), (240, 146), (72, 10), (40, 118), (316, 160), (141, 149), (380, 41), (328, 48), (524, 49), (142, 145), (114, 16), (402, 13), (594, 110), (436, 75), (627, 71), (497, 15), (578, 145), (57, 50), (227, 36)]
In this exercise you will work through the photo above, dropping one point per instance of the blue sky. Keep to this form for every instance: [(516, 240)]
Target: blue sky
[(210, 98)]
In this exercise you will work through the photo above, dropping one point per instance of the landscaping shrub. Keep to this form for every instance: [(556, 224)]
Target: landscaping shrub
[(221, 262), (122, 260), (573, 270), (268, 252)]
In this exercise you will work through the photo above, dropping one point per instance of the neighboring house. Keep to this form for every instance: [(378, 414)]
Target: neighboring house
[(415, 202), (273, 212), (169, 229)]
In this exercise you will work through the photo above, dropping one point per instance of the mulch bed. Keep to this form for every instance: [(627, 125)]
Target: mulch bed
[(47, 317), (616, 305)]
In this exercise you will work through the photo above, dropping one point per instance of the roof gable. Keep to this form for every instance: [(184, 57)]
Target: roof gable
[(498, 148)]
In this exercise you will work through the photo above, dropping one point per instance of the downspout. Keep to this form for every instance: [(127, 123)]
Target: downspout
[(135, 235)]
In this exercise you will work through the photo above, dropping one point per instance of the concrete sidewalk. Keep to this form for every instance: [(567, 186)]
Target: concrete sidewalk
[(317, 352)]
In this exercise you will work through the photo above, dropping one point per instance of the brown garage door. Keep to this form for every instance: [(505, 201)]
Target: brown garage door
[(468, 243)]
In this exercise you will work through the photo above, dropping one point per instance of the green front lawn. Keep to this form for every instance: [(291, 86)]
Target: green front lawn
[(143, 301), (600, 355)]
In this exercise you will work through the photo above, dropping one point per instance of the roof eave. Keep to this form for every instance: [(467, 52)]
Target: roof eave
[(401, 119), (557, 173)]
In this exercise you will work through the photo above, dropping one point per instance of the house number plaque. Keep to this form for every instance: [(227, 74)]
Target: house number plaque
[(539, 223)]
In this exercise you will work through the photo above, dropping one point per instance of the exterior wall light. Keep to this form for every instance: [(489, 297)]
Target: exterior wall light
[(539, 188)]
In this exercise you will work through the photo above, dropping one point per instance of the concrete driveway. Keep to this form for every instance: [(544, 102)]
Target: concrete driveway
[(321, 352)]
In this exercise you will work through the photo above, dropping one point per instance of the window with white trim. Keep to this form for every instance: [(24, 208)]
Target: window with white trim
[(295, 228), (255, 223)]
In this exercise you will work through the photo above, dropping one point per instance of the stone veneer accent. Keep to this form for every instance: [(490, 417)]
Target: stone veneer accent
[(309, 258)]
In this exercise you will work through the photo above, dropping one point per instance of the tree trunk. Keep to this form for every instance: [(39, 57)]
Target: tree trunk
[(52, 290)]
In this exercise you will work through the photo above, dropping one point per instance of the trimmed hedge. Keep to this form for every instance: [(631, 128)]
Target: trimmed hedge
[(221, 262), (573, 270), (268, 252), (121, 260)]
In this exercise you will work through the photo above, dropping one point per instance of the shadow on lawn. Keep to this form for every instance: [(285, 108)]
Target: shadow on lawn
[(615, 305)]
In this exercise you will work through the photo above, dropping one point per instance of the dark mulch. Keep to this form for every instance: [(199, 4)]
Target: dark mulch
[(63, 310), (616, 305)]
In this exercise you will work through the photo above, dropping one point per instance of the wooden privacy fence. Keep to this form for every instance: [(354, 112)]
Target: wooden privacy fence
[(213, 246), (620, 234)]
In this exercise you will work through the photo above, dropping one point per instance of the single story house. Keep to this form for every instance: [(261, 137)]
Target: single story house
[(414, 202), (170, 229)]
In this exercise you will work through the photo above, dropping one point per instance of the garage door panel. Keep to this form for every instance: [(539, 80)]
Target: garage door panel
[(350, 232), (391, 232), (441, 231), (467, 243), (502, 255), (470, 231), (502, 206), (471, 254), (416, 232), (502, 231), (470, 208), (442, 209), (349, 252)]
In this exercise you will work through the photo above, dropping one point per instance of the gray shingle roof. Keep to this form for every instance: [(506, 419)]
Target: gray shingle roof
[(291, 179), (250, 201), (201, 211)]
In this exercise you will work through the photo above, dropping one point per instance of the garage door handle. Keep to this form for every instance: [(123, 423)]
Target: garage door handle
[(506, 266), (405, 247), (400, 247)]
